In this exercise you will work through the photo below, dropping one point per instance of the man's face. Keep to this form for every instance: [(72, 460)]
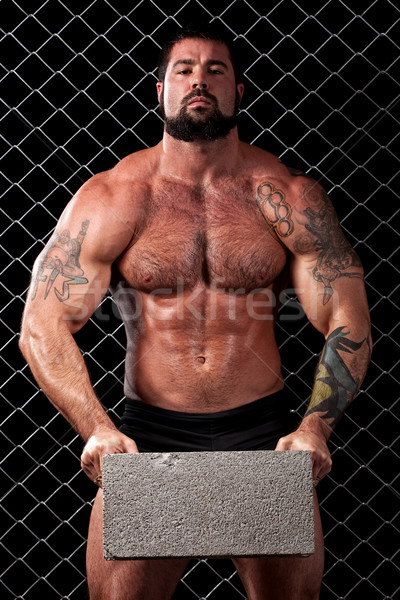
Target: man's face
[(199, 97)]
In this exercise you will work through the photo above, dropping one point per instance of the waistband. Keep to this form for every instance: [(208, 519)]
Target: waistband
[(273, 404)]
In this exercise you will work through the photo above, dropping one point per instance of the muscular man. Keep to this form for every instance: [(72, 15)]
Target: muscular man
[(197, 237)]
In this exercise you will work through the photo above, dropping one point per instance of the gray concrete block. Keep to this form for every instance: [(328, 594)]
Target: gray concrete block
[(207, 504)]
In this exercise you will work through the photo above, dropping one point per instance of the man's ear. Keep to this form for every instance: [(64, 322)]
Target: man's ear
[(240, 90), (159, 86)]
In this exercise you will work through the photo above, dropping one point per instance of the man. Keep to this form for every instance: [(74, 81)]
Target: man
[(196, 237)]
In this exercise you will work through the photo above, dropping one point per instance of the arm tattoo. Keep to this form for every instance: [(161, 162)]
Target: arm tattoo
[(325, 236), (335, 385), (274, 208), (62, 258)]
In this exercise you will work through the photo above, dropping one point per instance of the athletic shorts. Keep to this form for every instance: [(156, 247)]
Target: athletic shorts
[(254, 426)]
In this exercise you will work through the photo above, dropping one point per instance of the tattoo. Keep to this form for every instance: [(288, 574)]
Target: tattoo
[(334, 385), (325, 236), (62, 258), (274, 208)]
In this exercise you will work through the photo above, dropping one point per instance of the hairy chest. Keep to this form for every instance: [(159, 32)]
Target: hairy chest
[(190, 235)]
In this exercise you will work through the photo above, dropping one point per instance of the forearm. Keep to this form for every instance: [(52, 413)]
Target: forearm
[(340, 372), (60, 370)]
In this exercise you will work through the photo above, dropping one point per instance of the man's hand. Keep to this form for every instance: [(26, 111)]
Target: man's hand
[(110, 441), (312, 434)]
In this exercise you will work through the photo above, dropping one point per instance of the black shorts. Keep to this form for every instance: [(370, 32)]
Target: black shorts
[(254, 426)]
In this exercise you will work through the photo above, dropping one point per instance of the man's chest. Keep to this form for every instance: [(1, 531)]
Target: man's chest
[(188, 236)]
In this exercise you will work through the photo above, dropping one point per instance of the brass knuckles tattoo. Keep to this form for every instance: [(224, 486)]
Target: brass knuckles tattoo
[(62, 258), (274, 208)]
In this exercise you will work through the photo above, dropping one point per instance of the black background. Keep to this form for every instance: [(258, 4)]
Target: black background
[(78, 94)]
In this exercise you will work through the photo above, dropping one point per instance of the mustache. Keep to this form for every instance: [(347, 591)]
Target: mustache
[(199, 92)]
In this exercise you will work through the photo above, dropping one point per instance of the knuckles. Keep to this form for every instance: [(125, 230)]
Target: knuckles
[(105, 443)]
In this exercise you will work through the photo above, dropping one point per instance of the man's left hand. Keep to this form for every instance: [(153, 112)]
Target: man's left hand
[(311, 435)]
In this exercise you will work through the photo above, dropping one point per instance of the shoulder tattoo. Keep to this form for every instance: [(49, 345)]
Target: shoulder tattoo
[(276, 211)]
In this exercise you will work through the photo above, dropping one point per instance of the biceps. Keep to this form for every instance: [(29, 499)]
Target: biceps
[(331, 266), (328, 293), (66, 290)]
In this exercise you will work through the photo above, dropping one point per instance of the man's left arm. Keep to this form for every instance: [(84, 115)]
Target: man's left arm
[(328, 278)]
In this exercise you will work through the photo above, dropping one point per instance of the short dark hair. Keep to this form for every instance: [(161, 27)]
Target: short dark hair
[(208, 32)]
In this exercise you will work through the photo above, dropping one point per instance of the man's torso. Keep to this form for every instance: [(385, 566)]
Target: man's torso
[(198, 289)]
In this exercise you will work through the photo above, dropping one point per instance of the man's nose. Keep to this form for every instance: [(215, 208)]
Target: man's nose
[(198, 83)]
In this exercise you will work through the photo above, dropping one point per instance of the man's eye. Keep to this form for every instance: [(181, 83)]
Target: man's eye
[(184, 72), (215, 71)]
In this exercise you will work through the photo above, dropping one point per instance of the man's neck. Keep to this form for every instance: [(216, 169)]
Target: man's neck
[(200, 159)]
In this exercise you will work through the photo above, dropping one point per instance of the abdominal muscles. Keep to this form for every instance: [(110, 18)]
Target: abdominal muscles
[(205, 353)]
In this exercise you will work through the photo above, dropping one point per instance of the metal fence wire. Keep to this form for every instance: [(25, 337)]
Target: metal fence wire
[(78, 94)]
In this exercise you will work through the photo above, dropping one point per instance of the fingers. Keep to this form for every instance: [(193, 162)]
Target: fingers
[(322, 465), (90, 461), (130, 446), (320, 455), (284, 443), (106, 442)]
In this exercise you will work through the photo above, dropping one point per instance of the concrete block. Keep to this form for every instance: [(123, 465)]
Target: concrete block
[(207, 504)]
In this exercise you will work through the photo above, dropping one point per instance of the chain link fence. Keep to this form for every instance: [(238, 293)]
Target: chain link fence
[(77, 95)]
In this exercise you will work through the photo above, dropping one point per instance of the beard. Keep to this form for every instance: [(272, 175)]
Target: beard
[(189, 128)]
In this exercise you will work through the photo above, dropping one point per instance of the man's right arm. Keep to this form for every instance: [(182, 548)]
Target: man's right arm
[(70, 278)]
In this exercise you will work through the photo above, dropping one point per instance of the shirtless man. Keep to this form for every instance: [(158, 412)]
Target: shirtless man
[(196, 237)]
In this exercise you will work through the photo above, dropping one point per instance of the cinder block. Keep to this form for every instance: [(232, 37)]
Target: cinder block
[(207, 504)]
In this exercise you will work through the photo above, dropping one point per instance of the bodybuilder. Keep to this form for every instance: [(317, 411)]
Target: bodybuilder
[(196, 237)]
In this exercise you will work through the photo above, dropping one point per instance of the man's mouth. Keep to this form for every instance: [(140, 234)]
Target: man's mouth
[(199, 101)]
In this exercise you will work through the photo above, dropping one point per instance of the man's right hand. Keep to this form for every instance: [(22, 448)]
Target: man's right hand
[(109, 441)]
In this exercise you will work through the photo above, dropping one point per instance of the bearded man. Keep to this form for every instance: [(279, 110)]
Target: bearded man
[(196, 238)]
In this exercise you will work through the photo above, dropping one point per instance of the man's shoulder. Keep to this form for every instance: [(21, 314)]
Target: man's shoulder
[(113, 199), (124, 183), (138, 165), (266, 168)]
